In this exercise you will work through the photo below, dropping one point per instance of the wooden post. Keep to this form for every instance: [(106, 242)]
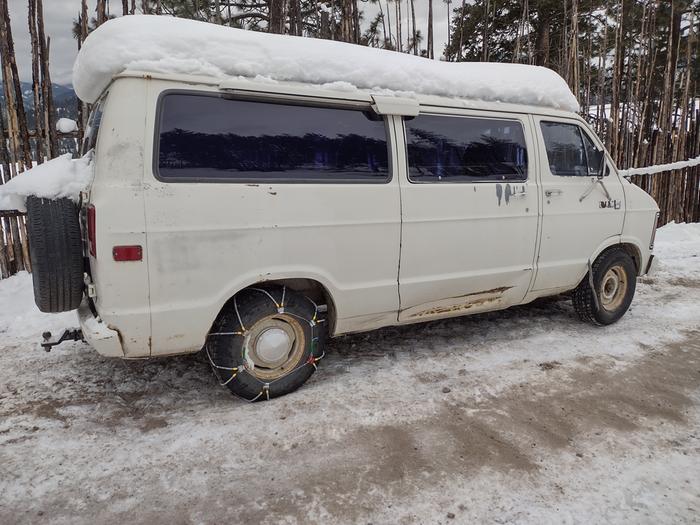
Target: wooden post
[(49, 117), (41, 139), (17, 119)]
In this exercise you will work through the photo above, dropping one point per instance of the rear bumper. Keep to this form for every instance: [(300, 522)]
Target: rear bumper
[(102, 338)]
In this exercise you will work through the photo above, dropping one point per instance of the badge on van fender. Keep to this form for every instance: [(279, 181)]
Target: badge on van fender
[(611, 203)]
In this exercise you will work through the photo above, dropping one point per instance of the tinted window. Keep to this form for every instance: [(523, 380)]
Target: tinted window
[(213, 138), (464, 149), (570, 152)]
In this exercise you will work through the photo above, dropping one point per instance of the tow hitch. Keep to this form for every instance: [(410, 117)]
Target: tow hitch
[(68, 335)]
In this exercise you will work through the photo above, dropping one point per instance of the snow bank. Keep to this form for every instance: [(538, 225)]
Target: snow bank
[(174, 45), (658, 168), (19, 316), (59, 177)]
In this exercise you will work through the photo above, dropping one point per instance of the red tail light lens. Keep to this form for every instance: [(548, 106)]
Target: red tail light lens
[(92, 241), (127, 253)]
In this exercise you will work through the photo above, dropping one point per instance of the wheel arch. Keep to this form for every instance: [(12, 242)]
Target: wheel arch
[(313, 287), (627, 244), (630, 247)]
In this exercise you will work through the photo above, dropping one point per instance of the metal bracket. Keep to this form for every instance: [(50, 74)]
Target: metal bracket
[(68, 335), (592, 187), (592, 285)]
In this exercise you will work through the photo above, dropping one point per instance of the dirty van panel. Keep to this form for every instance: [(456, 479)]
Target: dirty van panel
[(244, 191), (116, 197), (583, 204), (470, 214)]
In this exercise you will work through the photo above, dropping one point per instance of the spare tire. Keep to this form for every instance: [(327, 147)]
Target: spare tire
[(56, 253)]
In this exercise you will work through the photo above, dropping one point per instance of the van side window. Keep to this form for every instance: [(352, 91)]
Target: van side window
[(209, 138), (93, 126), (465, 149), (571, 153)]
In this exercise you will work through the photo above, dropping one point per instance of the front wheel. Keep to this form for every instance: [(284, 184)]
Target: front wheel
[(614, 283), (266, 342)]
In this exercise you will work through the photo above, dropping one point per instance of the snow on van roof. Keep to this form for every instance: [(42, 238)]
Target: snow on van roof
[(161, 44)]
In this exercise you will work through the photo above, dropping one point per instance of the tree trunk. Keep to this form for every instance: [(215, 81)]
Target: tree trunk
[(449, 22), (542, 43), (388, 19), (41, 142), (461, 32), (399, 25), (431, 51), (485, 33), (47, 91), (415, 33), (276, 24), (381, 12), (355, 22), (101, 11)]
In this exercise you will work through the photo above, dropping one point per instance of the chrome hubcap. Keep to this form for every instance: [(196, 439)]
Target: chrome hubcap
[(273, 345)]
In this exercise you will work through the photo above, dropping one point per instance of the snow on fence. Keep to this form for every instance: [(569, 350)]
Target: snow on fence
[(661, 168)]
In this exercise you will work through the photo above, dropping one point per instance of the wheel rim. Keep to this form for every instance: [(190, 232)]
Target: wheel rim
[(613, 288), (273, 347)]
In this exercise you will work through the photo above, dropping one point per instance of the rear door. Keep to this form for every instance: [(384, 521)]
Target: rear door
[(470, 213), (580, 210)]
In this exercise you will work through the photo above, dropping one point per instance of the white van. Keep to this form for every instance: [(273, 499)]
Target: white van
[(251, 219)]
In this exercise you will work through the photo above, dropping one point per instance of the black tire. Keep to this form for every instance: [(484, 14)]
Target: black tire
[(231, 350), (56, 253), (606, 311)]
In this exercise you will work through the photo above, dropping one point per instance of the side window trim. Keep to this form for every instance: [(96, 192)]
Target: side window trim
[(487, 116), (268, 98), (587, 134)]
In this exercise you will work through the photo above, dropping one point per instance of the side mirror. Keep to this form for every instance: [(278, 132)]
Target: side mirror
[(66, 125)]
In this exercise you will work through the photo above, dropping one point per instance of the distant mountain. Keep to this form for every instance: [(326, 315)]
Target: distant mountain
[(64, 98)]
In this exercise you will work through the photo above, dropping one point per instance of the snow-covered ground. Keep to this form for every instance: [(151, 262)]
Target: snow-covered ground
[(525, 416)]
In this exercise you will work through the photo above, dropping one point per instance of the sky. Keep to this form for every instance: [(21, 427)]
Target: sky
[(59, 16)]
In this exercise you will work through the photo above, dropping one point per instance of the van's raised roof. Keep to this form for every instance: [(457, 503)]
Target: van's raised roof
[(168, 45)]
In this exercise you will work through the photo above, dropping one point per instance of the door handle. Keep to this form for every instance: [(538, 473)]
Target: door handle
[(551, 193)]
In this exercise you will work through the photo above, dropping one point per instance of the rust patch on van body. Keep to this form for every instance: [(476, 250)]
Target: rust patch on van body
[(463, 303)]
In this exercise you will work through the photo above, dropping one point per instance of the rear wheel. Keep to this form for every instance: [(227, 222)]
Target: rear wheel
[(266, 342), (614, 282)]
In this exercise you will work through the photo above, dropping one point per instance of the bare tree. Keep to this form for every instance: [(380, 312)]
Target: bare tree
[(431, 51)]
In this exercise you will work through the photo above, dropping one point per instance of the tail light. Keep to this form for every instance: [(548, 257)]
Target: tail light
[(92, 240)]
